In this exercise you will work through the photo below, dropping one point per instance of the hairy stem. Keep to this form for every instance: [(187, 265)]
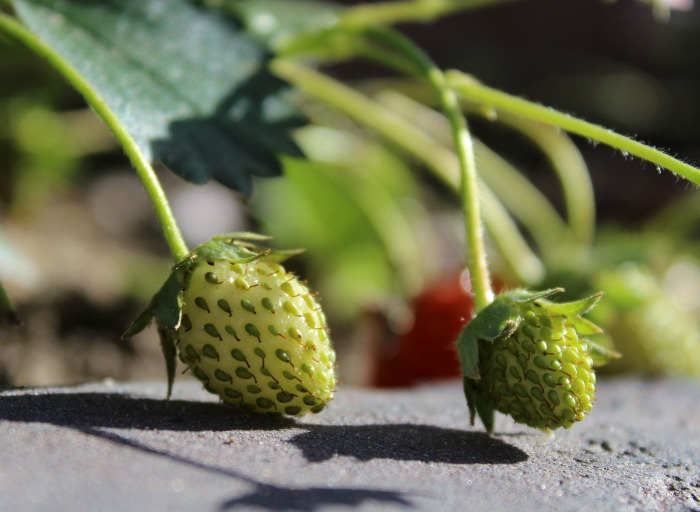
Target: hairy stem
[(437, 158), (517, 193), (464, 149), (388, 13), (469, 193), (471, 89), (171, 231), (571, 170)]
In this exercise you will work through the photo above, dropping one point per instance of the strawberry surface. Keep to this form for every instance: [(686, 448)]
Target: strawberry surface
[(256, 336)]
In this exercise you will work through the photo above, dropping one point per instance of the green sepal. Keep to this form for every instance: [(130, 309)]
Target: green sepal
[(583, 326), (486, 411), (168, 344), (471, 388), (167, 303), (240, 237), (523, 296), (497, 319), (164, 307), (479, 403), (223, 249), (142, 321), (279, 256), (600, 354), (240, 247), (575, 308)]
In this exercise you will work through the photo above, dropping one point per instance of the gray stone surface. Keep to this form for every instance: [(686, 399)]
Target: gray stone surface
[(112, 446)]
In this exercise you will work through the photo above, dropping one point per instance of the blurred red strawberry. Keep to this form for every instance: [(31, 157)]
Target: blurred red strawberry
[(426, 351)]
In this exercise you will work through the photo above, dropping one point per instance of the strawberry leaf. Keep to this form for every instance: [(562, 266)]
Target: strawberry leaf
[(190, 86)]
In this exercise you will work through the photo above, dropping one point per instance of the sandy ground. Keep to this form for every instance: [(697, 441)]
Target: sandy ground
[(112, 446)]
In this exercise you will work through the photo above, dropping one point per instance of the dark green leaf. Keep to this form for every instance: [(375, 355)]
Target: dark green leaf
[(189, 86), (487, 413), (471, 388), (142, 321), (583, 326)]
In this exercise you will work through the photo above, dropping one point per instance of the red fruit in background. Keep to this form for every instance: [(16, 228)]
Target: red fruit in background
[(427, 350)]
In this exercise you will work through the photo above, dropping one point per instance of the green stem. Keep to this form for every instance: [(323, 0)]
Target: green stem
[(571, 170), (464, 148), (473, 90), (525, 201), (388, 13), (469, 192), (438, 159), (173, 237)]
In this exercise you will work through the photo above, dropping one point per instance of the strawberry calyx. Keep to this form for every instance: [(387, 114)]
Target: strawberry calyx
[(529, 357), (165, 306)]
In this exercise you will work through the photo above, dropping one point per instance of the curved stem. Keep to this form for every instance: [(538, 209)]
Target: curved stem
[(518, 194), (438, 159), (571, 170), (171, 231), (464, 148), (473, 90), (388, 13)]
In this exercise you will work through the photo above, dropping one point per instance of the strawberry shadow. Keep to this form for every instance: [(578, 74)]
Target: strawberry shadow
[(80, 410), (405, 442), (102, 415), (96, 414), (90, 412)]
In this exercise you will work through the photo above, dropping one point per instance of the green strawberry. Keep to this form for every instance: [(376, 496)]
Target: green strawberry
[(248, 329), (654, 334), (528, 357)]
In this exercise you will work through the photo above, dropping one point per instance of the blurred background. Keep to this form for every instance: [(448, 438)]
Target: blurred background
[(81, 251)]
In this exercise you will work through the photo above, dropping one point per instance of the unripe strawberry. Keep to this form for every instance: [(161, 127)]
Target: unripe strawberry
[(528, 357), (248, 329), (541, 375), (653, 333)]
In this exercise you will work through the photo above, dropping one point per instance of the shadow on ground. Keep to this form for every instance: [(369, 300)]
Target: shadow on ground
[(97, 414), (114, 410), (404, 441)]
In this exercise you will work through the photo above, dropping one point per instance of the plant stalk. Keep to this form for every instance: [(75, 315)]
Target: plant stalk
[(471, 89), (171, 231), (438, 159), (389, 13)]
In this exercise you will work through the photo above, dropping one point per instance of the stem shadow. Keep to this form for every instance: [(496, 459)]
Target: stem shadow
[(96, 414)]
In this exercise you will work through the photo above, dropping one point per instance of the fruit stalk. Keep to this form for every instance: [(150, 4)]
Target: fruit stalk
[(464, 149), (386, 13), (147, 175)]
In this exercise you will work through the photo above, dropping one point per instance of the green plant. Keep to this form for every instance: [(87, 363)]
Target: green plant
[(210, 99), (230, 293)]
